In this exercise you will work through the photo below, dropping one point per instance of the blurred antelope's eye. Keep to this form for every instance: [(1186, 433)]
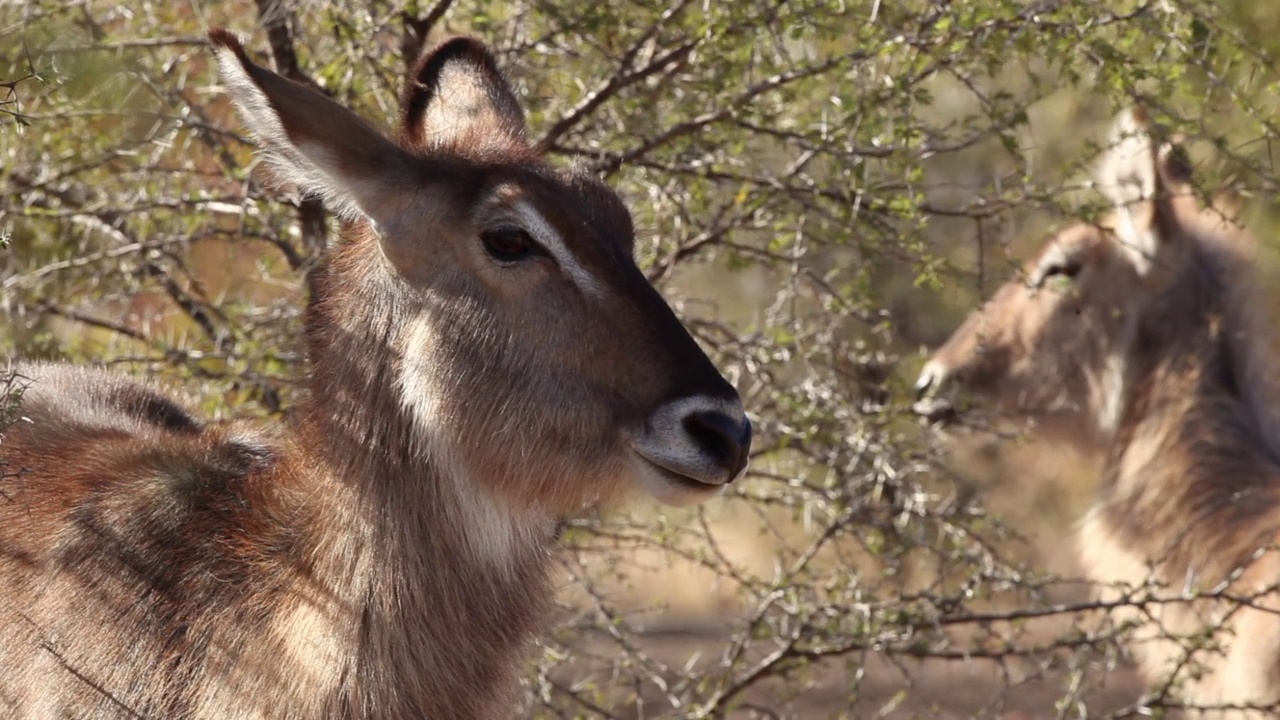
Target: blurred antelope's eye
[(509, 244), (1066, 270)]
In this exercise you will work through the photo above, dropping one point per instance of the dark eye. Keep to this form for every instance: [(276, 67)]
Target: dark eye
[(1068, 270), (508, 243)]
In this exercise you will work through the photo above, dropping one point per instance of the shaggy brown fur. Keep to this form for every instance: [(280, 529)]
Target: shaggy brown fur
[(385, 553), (1137, 340)]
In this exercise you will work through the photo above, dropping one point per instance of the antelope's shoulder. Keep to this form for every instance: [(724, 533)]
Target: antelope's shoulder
[(80, 428), (66, 397)]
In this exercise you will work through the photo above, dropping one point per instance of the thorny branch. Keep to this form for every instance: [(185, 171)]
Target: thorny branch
[(10, 101), (418, 29), (278, 21)]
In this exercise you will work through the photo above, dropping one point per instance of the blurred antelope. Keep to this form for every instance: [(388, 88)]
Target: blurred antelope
[(485, 357), (1138, 339)]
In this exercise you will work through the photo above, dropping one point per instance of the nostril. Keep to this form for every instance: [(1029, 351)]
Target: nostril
[(726, 440)]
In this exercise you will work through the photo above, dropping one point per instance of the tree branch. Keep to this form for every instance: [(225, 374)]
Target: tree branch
[(417, 30), (277, 22)]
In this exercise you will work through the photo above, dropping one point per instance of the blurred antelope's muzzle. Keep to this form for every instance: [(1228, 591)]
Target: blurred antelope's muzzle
[(930, 380), (927, 402)]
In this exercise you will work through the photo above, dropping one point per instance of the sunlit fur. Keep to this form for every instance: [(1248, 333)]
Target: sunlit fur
[(1156, 358), (385, 553)]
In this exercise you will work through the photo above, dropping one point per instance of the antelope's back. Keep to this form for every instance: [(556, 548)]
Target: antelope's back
[(124, 550)]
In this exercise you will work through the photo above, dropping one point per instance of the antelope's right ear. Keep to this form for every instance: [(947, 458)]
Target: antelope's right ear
[(309, 140), (1138, 176), (457, 99), (1127, 172)]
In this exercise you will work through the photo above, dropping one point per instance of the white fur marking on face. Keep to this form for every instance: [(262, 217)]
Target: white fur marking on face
[(1108, 390), (417, 389), (1108, 387), (544, 233), (494, 530)]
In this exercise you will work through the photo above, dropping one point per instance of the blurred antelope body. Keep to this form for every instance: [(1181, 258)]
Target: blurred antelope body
[(1139, 339), (485, 358)]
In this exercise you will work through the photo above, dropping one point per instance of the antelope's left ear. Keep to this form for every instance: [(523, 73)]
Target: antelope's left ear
[(311, 141), (1139, 176), (458, 100)]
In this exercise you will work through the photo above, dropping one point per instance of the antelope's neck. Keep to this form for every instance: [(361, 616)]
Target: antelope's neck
[(437, 589), (1190, 473), (439, 584)]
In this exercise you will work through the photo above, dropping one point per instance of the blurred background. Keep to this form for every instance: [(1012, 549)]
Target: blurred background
[(823, 189)]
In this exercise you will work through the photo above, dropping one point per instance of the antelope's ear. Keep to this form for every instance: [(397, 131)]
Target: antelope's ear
[(1127, 171), (1138, 176), (309, 140), (458, 100)]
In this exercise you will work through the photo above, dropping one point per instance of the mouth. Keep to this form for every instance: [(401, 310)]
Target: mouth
[(670, 487), (935, 410), (929, 404)]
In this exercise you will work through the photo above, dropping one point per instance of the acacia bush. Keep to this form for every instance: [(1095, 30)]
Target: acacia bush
[(821, 187)]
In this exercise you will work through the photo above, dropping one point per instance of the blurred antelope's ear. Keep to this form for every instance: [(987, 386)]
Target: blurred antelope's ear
[(309, 140), (1138, 176), (458, 100), (1127, 171)]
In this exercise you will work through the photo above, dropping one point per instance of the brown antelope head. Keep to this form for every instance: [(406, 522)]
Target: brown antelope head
[(528, 353), (1059, 343)]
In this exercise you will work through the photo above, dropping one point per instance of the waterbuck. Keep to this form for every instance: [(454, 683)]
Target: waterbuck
[(484, 358), (1138, 339)]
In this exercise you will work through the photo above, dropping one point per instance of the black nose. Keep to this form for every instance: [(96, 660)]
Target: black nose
[(725, 440)]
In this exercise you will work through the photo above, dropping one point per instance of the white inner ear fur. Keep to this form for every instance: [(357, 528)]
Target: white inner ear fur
[(313, 169), (466, 100), (1127, 177)]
